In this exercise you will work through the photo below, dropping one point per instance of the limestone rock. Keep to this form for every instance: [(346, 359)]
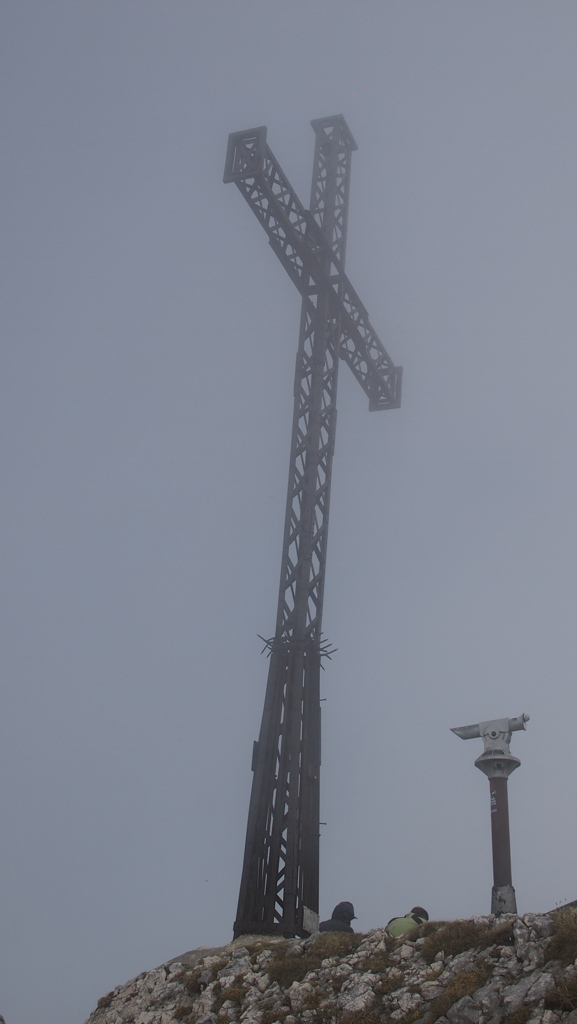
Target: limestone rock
[(465, 1011), (357, 992), (232, 984)]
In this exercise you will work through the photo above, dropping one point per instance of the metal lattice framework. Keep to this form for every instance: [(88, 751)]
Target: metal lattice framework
[(279, 885)]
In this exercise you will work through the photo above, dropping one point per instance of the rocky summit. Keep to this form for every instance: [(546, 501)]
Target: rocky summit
[(505, 970)]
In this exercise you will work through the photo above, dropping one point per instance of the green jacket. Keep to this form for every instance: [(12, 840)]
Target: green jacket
[(402, 925)]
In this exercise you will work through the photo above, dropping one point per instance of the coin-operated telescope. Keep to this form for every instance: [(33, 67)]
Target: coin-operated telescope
[(497, 763)]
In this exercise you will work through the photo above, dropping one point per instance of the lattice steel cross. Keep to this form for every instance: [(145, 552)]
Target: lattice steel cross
[(280, 876)]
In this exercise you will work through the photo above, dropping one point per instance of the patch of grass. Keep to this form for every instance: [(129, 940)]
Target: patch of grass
[(270, 1016), (563, 945), (391, 984), (313, 1000), (380, 960), (520, 1016), (372, 1016), (105, 1001), (463, 984), (190, 980), (181, 1012), (235, 993), (336, 944), (260, 945), (411, 1016), (456, 937), (286, 969), (563, 996)]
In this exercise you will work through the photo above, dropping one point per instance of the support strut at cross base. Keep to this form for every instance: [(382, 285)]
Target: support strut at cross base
[(279, 891)]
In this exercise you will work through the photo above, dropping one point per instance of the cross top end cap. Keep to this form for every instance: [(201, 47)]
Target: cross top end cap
[(335, 129)]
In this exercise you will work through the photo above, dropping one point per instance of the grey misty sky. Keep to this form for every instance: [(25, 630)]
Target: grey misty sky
[(147, 364)]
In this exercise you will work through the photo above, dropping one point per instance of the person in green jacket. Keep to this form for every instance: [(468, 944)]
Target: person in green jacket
[(402, 925)]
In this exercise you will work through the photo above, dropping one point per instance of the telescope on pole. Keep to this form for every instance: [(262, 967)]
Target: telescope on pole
[(498, 763)]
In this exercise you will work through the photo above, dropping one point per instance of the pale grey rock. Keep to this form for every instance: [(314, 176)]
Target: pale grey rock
[(251, 1016), (175, 968), (521, 935), (488, 998), (298, 993), (437, 967), (465, 1011), (534, 957), (240, 965), (543, 925), (357, 992), (540, 985), (296, 947), (394, 974), (155, 977), (551, 1017), (407, 1003), (497, 1017), (163, 993), (229, 1010), (513, 996), (430, 990), (206, 999)]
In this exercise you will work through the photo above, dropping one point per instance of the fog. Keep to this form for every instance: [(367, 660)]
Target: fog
[(149, 336)]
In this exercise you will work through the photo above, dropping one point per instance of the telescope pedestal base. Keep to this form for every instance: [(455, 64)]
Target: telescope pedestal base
[(503, 900)]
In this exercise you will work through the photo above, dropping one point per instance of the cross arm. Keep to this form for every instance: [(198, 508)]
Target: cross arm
[(310, 262)]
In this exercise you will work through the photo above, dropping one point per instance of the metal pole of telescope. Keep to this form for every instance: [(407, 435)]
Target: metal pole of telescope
[(498, 763)]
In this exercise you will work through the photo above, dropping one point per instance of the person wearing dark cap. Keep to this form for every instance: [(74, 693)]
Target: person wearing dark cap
[(341, 919), (402, 925)]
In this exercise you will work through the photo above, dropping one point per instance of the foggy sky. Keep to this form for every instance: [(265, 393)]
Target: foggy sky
[(147, 366)]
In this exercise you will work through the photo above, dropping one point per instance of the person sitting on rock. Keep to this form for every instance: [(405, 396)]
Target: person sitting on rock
[(402, 925), (341, 919)]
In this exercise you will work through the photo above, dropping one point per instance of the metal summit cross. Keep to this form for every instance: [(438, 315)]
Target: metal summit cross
[(279, 891)]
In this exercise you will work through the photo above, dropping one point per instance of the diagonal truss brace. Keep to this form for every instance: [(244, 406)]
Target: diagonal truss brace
[(305, 253)]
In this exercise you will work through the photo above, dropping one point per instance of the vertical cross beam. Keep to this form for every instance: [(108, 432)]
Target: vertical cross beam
[(281, 862)]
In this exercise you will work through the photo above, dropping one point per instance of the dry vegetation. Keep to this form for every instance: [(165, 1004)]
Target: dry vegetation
[(362, 1017), (563, 996), (563, 944), (454, 937), (380, 960), (105, 1001), (286, 969), (234, 993), (520, 1016), (463, 984)]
